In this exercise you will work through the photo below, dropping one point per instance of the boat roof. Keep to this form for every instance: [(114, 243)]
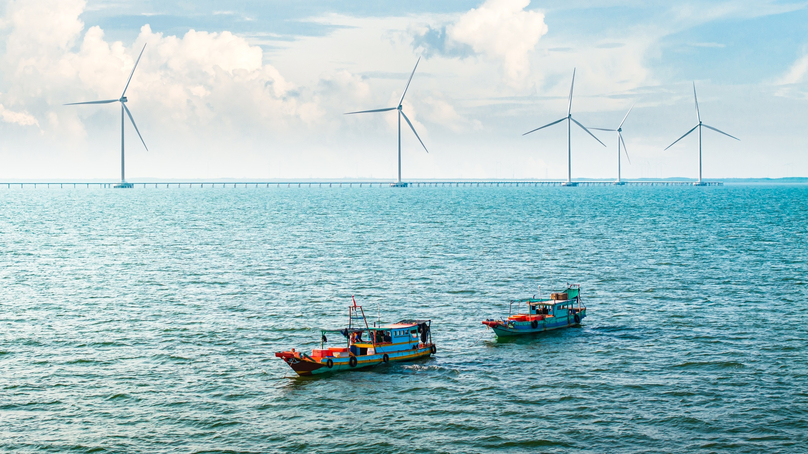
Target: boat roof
[(572, 293), (405, 324), (542, 302), (532, 302), (398, 325), (353, 330)]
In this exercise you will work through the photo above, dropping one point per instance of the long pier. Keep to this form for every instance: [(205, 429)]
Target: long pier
[(346, 184)]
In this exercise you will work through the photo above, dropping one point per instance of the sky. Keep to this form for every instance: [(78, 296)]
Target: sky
[(258, 89)]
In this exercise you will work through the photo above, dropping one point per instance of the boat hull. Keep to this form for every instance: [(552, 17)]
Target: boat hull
[(305, 365), (507, 328)]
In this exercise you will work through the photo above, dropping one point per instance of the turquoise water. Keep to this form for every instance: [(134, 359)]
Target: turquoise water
[(146, 320)]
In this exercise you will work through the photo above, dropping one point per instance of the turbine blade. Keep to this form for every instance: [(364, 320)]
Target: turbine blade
[(624, 147), (680, 138), (369, 111), (413, 130), (588, 131), (698, 114), (133, 124), (569, 106), (722, 132), (624, 118), (604, 129), (408, 82), (91, 102), (133, 71), (549, 124)]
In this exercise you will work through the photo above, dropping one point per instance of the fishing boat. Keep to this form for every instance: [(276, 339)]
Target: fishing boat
[(562, 310), (364, 346)]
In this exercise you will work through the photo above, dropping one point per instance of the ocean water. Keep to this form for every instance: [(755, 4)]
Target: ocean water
[(146, 320)]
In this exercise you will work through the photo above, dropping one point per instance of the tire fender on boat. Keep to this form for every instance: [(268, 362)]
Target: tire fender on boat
[(577, 318), (385, 358), (432, 349), (329, 364), (352, 362), (534, 324)]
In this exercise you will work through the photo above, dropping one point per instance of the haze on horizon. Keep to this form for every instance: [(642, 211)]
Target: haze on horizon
[(259, 90)]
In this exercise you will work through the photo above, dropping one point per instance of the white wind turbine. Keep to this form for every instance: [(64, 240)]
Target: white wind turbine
[(698, 116), (399, 184), (569, 132), (620, 140), (122, 100)]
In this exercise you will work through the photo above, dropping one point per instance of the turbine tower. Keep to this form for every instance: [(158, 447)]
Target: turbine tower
[(620, 140), (124, 109), (699, 125), (398, 183), (569, 133)]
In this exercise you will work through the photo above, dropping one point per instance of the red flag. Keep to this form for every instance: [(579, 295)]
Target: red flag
[(354, 300)]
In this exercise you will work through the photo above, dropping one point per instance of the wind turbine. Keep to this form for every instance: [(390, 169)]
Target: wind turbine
[(698, 116), (620, 140), (569, 131), (124, 109), (399, 184)]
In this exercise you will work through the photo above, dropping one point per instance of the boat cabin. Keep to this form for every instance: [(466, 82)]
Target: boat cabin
[(404, 335), (403, 332), (559, 305)]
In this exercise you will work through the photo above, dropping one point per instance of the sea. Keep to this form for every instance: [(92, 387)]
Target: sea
[(146, 320)]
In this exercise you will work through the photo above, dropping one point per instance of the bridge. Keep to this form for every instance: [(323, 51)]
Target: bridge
[(343, 184)]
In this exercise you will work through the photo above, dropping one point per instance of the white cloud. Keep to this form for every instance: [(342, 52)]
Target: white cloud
[(441, 111), (796, 73), (20, 118), (503, 30), (195, 81), (498, 30), (709, 45)]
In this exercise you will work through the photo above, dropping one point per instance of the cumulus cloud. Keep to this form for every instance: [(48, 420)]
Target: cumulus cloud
[(500, 30), (196, 80)]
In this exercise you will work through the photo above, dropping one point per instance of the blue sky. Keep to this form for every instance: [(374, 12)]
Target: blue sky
[(257, 89)]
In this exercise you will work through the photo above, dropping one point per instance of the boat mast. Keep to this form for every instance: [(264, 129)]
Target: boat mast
[(354, 312)]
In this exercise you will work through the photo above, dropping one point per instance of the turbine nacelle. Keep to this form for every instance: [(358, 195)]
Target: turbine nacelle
[(123, 99)]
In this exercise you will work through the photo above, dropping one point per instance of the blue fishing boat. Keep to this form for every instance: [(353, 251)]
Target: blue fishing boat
[(562, 310), (364, 346)]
